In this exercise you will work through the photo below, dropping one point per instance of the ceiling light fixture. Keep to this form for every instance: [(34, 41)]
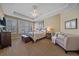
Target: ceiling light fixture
[(35, 11)]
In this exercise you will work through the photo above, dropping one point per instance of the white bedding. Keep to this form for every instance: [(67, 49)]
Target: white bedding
[(37, 35)]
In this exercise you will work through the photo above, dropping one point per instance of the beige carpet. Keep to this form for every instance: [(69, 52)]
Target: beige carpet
[(42, 48)]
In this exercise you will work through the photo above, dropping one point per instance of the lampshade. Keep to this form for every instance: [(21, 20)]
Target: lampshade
[(1, 18), (49, 29)]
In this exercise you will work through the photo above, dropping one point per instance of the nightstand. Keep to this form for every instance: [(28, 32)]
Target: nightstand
[(48, 35)]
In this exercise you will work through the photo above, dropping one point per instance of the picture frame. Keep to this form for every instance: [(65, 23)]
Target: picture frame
[(71, 24)]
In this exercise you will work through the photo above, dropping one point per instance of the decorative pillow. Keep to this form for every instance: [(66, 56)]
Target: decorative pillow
[(61, 36)]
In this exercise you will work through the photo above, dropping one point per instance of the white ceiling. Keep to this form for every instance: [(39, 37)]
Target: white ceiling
[(26, 8)]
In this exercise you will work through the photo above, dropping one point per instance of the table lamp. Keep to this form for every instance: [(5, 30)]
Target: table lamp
[(50, 30)]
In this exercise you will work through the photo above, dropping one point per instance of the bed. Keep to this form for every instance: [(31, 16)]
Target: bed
[(36, 35)]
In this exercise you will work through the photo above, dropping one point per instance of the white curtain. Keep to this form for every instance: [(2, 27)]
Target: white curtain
[(11, 25), (23, 26), (39, 25)]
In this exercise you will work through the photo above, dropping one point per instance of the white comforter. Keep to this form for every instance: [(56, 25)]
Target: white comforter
[(37, 35)]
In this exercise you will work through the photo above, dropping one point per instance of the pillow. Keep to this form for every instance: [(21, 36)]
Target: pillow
[(61, 36)]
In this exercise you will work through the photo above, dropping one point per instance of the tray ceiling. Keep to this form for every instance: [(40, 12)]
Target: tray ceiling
[(24, 9)]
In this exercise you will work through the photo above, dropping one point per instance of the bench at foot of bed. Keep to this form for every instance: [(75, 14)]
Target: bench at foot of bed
[(26, 38)]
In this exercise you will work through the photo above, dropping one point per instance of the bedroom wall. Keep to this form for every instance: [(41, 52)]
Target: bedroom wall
[(53, 22), (68, 15)]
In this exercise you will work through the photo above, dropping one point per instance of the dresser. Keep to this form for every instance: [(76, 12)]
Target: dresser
[(5, 39)]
